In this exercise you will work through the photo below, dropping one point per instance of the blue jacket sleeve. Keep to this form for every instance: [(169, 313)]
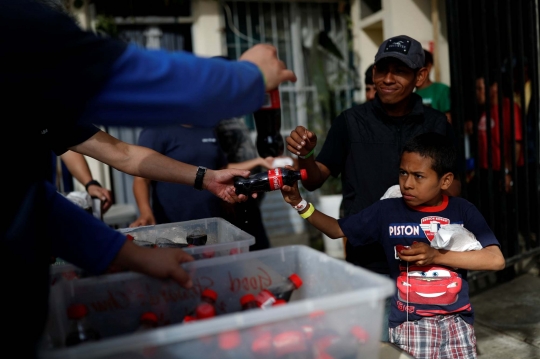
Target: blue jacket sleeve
[(80, 238), (156, 87)]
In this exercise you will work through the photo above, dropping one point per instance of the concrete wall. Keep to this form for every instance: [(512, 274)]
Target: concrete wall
[(207, 30), (401, 17)]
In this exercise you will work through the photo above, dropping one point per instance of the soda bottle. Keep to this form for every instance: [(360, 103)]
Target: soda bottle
[(208, 297), (148, 320), (271, 180), (248, 302), (79, 331), (283, 291), (197, 238), (167, 243), (268, 123)]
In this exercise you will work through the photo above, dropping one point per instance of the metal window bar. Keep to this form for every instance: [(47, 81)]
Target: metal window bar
[(287, 25), (493, 39)]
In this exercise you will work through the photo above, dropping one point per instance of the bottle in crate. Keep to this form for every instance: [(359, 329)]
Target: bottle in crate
[(147, 321), (79, 331), (206, 307), (282, 291), (248, 302)]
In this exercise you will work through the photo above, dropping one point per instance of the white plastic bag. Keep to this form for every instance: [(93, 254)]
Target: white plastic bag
[(454, 237), (392, 192)]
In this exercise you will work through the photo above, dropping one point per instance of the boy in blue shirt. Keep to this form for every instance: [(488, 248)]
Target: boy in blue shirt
[(431, 315)]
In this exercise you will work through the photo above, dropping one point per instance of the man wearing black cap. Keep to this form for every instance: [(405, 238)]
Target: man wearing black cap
[(365, 141)]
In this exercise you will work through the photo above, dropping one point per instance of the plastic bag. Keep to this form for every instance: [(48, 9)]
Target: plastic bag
[(454, 237), (392, 192)]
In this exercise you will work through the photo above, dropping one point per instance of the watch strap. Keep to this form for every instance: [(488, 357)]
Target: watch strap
[(201, 171)]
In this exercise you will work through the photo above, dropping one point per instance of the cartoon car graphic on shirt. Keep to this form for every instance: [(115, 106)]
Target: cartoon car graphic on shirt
[(429, 285)]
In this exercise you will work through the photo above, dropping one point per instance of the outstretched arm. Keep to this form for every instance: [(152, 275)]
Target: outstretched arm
[(251, 164), (319, 220), (487, 258), (145, 162), (78, 167), (141, 191)]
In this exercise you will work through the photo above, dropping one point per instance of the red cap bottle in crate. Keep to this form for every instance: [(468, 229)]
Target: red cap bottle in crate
[(267, 297), (79, 331)]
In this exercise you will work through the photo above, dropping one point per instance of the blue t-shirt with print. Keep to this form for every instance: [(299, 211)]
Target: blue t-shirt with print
[(428, 290), (173, 202)]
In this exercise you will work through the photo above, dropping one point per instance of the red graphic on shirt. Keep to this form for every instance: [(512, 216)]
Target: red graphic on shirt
[(429, 285), (431, 225)]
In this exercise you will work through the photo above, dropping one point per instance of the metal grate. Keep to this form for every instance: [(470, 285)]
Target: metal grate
[(499, 41)]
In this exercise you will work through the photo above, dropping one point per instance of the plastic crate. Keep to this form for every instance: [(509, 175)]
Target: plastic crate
[(223, 239), (335, 297)]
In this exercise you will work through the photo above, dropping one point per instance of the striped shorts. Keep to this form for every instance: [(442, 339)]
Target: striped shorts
[(438, 337)]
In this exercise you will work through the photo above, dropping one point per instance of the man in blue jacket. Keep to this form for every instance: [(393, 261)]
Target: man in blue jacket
[(57, 81)]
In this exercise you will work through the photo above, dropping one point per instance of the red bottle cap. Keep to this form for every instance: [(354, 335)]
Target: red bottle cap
[(246, 299), (77, 311), (149, 316), (262, 344), (204, 311), (229, 340), (289, 343), (360, 334), (303, 174), (296, 280), (189, 318), (209, 293)]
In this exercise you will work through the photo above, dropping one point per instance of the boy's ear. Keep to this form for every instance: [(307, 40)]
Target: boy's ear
[(446, 180)]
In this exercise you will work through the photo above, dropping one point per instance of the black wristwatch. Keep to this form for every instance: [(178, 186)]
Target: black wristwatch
[(90, 183), (199, 177)]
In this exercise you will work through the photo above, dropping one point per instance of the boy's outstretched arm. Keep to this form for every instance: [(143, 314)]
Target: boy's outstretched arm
[(488, 258), (156, 262), (321, 221)]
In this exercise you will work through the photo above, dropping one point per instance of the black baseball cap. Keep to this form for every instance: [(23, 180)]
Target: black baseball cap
[(403, 48)]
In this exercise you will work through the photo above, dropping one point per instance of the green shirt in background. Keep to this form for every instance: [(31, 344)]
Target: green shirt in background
[(436, 95)]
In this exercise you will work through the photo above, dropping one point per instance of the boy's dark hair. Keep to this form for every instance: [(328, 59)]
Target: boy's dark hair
[(369, 76), (428, 58), (438, 147)]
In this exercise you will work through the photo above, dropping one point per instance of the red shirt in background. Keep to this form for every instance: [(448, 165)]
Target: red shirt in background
[(495, 136)]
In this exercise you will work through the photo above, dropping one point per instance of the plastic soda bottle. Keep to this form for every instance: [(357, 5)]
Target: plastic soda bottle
[(268, 123), (270, 180), (79, 331)]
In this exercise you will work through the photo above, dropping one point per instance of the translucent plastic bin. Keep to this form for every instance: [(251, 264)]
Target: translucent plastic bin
[(223, 237), (336, 297)]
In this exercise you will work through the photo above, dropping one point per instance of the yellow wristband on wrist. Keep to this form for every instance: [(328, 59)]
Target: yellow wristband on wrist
[(309, 212)]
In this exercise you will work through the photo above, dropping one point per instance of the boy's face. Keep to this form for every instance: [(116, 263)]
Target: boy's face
[(419, 183)]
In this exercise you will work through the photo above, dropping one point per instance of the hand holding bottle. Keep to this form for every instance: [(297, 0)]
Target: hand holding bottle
[(301, 142), (291, 194)]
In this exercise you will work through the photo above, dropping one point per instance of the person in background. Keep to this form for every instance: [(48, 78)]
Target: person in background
[(166, 202), (504, 172), (426, 325), (434, 94), (368, 82), (77, 166), (83, 79), (365, 142)]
